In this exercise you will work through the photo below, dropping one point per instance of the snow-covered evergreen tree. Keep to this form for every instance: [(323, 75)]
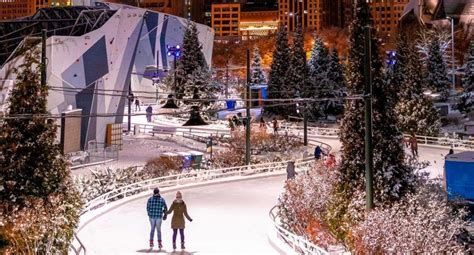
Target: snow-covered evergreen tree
[(320, 86), (257, 76), (193, 76), (278, 79), (39, 206), (337, 85), (298, 71), (392, 178), (468, 80), (465, 102), (436, 76), (415, 111)]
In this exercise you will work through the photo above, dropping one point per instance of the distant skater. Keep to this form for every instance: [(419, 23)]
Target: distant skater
[(275, 126), (177, 222), (149, 113), (137, 104), (262, 125), (414, 145), (231, 125), (317, 153), (290, 170), (156, 209)]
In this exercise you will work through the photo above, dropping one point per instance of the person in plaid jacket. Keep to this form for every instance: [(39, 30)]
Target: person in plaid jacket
[(156, 209)]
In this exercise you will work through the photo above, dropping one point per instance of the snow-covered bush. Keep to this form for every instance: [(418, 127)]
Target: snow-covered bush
[(159, 166), (261, 144), (42, 226), (105, 180), (304, 204), (422, 222)]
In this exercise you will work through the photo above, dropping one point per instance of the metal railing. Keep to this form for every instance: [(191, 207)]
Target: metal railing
[(298, 243), (196, 176), (78, 250), (425, 140)]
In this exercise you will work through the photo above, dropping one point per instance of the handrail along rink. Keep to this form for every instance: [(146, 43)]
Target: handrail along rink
[(297, 243), (198, 176)]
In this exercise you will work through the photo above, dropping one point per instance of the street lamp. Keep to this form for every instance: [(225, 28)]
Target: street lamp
[(453, 70), (174, 51), (302, 110)]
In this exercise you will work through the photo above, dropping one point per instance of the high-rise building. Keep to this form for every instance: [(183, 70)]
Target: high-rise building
[(306, 12), (386, 14), (11, 9), (254, 24), (337, 13), (225, 19)]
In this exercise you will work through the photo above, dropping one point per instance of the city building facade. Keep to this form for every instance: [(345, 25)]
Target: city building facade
[(306, 12), (225, 19), (386, 14), (12, 9)]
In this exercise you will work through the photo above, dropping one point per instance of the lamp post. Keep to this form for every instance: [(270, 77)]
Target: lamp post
[(174, 51), (300, 108), (368, 119), (453, 70)]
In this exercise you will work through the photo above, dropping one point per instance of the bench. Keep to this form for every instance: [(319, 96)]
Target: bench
[(163, 130)]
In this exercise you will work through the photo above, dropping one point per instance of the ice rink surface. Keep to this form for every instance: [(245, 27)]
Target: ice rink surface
[(228, 218)]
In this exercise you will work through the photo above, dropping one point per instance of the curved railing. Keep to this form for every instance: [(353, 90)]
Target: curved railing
[(194, 177), (198, 176), (298, 243), (446, 142)]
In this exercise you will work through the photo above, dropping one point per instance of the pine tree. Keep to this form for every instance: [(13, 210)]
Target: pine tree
[(257, 76), (337, 84), (436, 76), (391, 177), (277, 82), (415, 112), (193, 76), (468, 80), (298, 71), (465, 102), (39, 206), (318, 72), (31, 163)]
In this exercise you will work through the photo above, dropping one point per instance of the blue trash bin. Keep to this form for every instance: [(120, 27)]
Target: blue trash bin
[(186, 159), (230, 104)]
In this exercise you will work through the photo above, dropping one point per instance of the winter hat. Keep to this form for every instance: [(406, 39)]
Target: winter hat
[(156, 191)]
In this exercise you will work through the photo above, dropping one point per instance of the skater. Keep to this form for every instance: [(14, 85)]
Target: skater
[(275, 126), (414, 145), (263, 126), (231, 125), (156, 209), (236, 121), (317, 153), (451, 151), (137, 104), (177, 222), (290, 170), (330, 161), (149, 113)]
